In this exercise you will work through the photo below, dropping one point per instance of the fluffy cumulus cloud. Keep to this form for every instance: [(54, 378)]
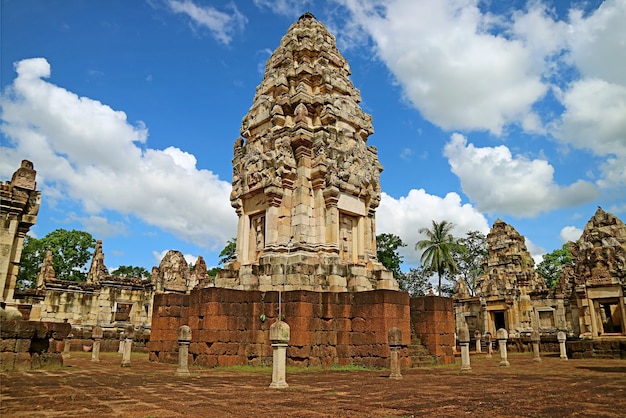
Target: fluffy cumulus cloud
[(406, 215), (570, 233), (222, 24), (468, 69), (85, 151), (595, 105), (500, 183), (458, 73)]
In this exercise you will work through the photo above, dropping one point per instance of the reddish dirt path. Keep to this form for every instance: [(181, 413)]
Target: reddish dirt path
[(552, 388)]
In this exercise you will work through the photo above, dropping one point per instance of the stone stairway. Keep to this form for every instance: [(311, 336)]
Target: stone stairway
[(420, 356)]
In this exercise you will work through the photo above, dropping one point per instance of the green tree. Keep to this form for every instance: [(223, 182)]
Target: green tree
[(229, 253), (469, 259), (30, 263), (131, 271), (438, 247), (387, 252), (415, 282), (71, 250), (552, 264)]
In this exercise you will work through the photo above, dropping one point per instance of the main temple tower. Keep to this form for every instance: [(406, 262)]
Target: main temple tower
[(305, 183)]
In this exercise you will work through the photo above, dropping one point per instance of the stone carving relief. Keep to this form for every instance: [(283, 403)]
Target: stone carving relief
[(172, 273)]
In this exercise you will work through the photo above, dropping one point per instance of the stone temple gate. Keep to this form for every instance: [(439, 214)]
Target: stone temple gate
[(305, 182)]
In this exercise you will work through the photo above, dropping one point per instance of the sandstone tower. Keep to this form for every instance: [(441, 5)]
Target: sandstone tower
[(305, 182), (20, 204)]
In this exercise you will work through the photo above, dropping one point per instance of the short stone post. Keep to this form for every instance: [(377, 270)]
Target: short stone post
[(395, 342), (120, 350), (96, 334), (184, 338), (535, 338), (477, 338), (489, 346), (129, 334), (67, 346), (464, 341), (502, 335), (279, 335), (562, 338)]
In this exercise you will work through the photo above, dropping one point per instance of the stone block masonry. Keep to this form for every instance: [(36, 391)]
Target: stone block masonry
[(432, 318), (26, 345), (231, 327)]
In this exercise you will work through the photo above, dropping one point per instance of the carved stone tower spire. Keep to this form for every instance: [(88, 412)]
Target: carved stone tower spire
[(305, 183)]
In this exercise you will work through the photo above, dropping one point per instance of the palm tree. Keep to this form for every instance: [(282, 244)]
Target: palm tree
[(438, 246)]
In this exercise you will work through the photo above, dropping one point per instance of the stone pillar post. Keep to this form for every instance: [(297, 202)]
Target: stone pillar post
[(489, 345), (120, 350), (535, 339), (395, 342), (477, 338), (464, 340), (562, 338), (129, 334), (184, 339), (279, 335), (67, 346), (96, 334), (502, 335)]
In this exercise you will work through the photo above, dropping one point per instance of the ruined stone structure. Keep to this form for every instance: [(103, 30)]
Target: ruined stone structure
[(597, 278), (19, 205), (327, 328), (588, 303), (23, 344), (305, 183), (305, 188), (510, 294), (109, 301)]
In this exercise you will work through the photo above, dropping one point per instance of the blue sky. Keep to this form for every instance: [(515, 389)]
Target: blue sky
[(481, 109)]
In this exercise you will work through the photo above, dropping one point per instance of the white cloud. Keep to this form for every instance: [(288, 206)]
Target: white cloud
[(597, 42), (595, 119), (406, 215), (570, 233), (595, 105), (99, 226), (536, 252), (291, 8), (499, 182), (85, 151), (457, 73), (222, 25)]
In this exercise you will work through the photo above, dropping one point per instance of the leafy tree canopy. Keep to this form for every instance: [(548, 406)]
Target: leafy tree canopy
[(132, 271), (469, 256), (438, 247), (552, 264), (71, 251), (387, 252), (229, 253), (416, 282)]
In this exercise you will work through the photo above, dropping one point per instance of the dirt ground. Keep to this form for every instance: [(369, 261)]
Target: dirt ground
[(552, 388)]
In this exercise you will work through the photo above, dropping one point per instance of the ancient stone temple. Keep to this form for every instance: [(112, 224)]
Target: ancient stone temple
[(305, 182), (19, 205), (506, 288), (597, 277)]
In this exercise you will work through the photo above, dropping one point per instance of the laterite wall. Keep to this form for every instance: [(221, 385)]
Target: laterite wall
[(432, 318), (28, 345), (326, 328)]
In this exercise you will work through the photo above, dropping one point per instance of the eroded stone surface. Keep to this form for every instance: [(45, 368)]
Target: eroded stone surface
[(19, 206), (509, 264), (305, 183)]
